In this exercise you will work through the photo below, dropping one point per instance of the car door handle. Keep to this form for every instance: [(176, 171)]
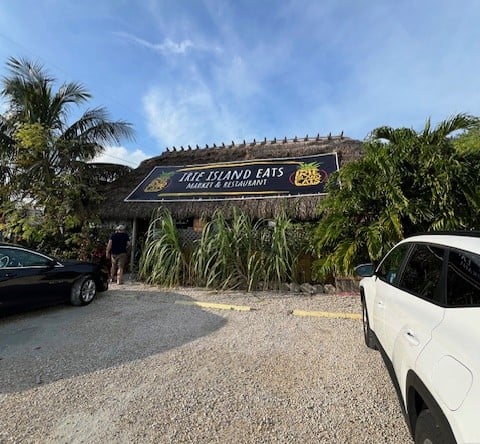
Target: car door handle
[(410, 335)]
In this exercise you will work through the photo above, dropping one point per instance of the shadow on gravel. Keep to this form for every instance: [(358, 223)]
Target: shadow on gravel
[(46, 345)]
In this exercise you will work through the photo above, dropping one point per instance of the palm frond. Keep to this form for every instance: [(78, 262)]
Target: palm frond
[(94, 127)]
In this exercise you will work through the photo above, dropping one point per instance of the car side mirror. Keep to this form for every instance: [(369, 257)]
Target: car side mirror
[(51, 263), (365, 270)]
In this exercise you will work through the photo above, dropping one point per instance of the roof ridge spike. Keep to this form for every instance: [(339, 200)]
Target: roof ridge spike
[(254, 142)]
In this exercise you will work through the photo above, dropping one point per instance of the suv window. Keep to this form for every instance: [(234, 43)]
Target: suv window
[(422, 272), (390, 266), (463, 279)]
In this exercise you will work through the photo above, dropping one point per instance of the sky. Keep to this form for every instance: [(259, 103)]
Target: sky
[(198, 72)]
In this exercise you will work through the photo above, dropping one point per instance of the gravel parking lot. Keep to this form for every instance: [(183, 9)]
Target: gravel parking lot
[(137, 366)]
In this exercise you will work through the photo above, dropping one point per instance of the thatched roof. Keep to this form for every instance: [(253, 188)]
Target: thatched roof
[(302, 208)]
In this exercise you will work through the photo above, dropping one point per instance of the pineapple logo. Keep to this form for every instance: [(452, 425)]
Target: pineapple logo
[(159, 183), (307, 175)]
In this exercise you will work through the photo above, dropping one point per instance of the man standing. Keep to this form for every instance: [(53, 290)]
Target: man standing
[(117, 248)]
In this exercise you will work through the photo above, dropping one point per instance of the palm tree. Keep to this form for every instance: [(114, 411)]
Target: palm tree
[(45, 153), (406, 182), (32, 100), (6, 152), (435, 175)]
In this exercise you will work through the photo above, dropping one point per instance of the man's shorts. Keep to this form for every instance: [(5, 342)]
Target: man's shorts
[(119, 260)]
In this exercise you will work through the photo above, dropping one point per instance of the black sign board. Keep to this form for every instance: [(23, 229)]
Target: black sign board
[(253, 179)]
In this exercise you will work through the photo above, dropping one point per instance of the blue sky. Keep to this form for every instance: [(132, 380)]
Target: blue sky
[(211, 71)]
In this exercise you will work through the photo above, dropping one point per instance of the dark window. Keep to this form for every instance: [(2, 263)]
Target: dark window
[(4, 260), (422, 272), (390, 266), (14, 258), (463, 279)]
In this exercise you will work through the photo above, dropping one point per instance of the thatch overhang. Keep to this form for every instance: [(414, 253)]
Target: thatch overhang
[(301, 208)]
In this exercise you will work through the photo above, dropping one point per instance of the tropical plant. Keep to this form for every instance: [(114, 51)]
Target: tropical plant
[(163, 260), (224, 256), (44, 157), (233, 253), (468, 142), (281, 252), (406, 182)]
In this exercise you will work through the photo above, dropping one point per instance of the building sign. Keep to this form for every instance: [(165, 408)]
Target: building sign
[(253, 179)]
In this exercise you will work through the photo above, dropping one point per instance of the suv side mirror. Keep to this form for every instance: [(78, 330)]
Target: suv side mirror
[(365, 270)]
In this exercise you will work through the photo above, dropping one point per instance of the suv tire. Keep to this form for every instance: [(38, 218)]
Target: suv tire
[(367, 332), (427, 431)]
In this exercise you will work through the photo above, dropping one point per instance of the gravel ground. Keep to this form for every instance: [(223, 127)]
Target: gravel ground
[(134, 366)]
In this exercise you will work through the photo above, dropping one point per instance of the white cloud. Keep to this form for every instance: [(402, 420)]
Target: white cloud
[(188, 115), (166, 47), (121, 155), (3, 107)]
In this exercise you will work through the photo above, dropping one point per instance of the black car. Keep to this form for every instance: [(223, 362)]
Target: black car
[(29, 279)]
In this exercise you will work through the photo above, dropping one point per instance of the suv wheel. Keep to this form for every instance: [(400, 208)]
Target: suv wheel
[(367, 332), (427, 431)]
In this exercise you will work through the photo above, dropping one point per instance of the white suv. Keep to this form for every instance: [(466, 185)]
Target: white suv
[(421, 309)]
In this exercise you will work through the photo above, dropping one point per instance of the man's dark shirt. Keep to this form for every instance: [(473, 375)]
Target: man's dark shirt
[(119, 242)]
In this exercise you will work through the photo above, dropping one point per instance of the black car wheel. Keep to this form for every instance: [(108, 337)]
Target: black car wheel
[(427, 431), (367, 332), (83, 291)]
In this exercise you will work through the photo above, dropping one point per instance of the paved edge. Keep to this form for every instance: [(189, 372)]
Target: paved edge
[(214, 305), (326, 314)]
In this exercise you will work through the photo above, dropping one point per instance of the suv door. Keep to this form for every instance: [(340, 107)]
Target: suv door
[(413, 310), (387, 276), (450, 363)]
